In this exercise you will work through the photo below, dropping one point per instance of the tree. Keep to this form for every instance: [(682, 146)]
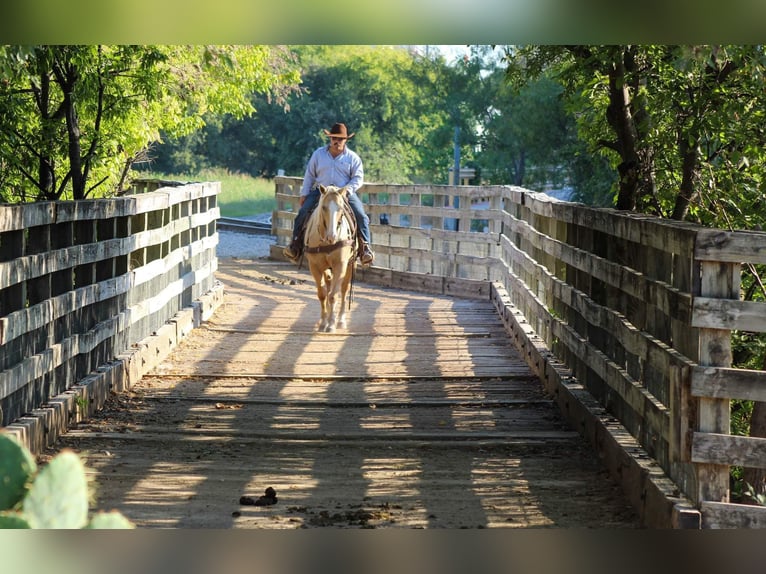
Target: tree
[(526, 134), (671, 115), (74, 119)]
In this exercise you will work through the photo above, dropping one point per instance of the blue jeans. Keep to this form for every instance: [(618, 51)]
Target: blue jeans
[(312, 199)]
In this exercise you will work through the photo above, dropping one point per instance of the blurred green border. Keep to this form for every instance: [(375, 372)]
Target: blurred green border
[(382, 21)]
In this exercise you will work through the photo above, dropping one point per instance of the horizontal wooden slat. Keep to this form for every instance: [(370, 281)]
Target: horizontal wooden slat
[(32, 266), (15, 217), (667, 299), (730, 246), (36, 317), (160, 266), (172, 290), (729, 314), (631, 391), (732, 450), (32, 368), (724, 515), (722, 383), (90, 209)]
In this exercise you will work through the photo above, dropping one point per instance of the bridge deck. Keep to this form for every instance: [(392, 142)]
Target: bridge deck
[(421, 414)]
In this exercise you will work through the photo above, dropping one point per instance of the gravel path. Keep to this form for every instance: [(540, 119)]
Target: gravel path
[(245, 245)]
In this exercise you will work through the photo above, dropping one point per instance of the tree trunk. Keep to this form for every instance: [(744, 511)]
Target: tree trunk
[(689, 166), (521, 166), (620, 118), (75, 149), (67, 76), (46, 177)]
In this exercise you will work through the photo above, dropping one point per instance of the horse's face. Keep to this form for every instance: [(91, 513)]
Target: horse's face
[(331, 206)]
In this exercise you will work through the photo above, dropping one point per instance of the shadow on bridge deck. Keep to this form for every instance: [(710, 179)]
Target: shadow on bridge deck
[(419, 415)]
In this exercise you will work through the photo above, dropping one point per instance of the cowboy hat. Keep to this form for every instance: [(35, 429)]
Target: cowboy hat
[(339, 131)]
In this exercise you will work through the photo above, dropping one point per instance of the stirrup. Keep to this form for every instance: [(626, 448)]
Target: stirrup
[(291, 254)]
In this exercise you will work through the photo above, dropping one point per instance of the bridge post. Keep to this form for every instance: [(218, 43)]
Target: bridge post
[(722, 281)]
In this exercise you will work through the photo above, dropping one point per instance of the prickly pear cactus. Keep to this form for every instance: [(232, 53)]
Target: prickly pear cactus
[(17, 466), (54, 497), (58, 497)]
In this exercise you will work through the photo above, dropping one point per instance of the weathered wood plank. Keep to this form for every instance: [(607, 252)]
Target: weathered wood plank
[(725, 449), (712, 313), (18, 217), (721, 515), (32, 266), (724, 383), (36, 317), (730, 246)]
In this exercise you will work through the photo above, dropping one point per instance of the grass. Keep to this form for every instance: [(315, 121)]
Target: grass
[(241, 195)]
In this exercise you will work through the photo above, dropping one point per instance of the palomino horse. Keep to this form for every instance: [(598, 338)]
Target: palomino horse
[(330, 250)]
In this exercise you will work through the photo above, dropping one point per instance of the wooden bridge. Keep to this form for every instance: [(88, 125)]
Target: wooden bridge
[(488, 348), (420, 415)]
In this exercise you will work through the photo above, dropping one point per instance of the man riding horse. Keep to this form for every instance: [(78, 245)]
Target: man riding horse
[(332, 164)]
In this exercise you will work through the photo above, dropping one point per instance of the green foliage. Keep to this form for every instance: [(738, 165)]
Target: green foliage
[(73, 119), (55, 496), (682, 125), (526, 134), (404, 108)]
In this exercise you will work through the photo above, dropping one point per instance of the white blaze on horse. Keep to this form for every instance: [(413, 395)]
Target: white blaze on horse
[(330, 240)]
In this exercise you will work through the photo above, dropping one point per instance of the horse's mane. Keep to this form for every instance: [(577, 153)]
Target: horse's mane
[(317, 223)]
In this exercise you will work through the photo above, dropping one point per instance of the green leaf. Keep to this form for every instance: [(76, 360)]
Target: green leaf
[(13, 520), (58, 498), (111, 520), (16, 468)]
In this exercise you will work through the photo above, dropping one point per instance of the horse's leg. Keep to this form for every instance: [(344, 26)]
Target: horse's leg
[(321, 285), (344, 287), (332, 296)]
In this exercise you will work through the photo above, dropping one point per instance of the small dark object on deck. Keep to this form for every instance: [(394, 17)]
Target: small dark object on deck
[(269, 498)]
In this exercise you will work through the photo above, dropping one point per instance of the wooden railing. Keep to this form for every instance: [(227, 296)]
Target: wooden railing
[(93, 293), (625, 317)]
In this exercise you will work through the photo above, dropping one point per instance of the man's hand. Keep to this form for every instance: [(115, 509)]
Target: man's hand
[(303, 200)]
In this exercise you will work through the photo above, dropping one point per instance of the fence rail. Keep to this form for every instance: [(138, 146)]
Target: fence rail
[(635, 309), (88, 288)]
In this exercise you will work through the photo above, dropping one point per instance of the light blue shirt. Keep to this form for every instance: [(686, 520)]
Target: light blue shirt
[(323, 169)]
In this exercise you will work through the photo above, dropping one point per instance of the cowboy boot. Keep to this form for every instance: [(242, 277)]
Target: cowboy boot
[(293, 251), (366, 256)]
